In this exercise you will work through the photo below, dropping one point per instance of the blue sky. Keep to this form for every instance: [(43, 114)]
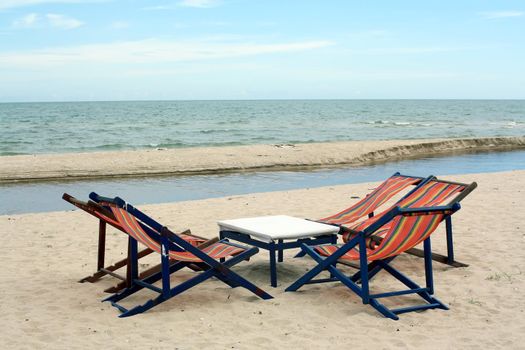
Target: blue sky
[(69, 50)]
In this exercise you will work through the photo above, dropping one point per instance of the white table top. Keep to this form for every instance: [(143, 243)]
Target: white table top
[(269, 228)]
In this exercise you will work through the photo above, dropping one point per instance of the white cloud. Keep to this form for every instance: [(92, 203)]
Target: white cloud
[(158, 8), (64, 22), (372, 33), (199, 3), (7, 4), (119, 25), (148, 52), (216, 23), (35, 20), (265, 23), (28, 21), (184, 3), (501, 14), (409, 50)]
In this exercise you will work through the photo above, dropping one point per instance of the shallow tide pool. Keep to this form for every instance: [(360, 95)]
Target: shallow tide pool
[(46, 196)]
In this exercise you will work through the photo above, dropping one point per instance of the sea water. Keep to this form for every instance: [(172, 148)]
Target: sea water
[(31, 128)]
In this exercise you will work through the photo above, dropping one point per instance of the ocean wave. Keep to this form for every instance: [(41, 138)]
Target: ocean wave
[(109, 146), (305, 141), (506, 123), (176, 144), (216, 131), (378, 122), (387, 124), (9, 153), (16, 142), (402, 123), (263, 138), (235, 121)]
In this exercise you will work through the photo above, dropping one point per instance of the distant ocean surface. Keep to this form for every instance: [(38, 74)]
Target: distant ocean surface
[(30, 128)]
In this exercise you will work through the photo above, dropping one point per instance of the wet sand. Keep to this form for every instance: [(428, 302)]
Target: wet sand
[(236, 158)]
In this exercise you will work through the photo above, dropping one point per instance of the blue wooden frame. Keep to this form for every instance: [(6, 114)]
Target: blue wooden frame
[(170, 241), (368, 270), (276, 249)]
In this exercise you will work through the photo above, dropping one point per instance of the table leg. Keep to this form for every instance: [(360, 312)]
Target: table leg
[(273, 267), (280, 251), (334, 241), (221, 237)]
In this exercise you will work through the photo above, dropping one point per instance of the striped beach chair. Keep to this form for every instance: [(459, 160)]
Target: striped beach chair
[(399, 229), (176, 253), (366, 206), (430, 192), (105, 216)]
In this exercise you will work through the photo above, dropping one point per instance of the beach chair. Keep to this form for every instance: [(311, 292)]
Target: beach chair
[(430, 192), (366, 206), (106, 217), (176, 253), (400, 229)]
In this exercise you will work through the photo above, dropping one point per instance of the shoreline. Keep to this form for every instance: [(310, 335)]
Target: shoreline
[(206, 160)]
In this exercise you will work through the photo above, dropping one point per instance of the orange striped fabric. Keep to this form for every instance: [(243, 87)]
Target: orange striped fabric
[(404, 233), (433, 193), (132, 227), (216, 251), (195, 241), (107, 219), (372, 201)]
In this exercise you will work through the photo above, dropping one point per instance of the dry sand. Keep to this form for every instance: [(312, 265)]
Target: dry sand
[(42, 305), (214, 159)]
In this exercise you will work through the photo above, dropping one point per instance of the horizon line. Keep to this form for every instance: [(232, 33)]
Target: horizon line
[(268, 99)]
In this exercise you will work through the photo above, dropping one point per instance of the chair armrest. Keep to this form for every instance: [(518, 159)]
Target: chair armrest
[(117, 200), (445, 209), (344, 229)]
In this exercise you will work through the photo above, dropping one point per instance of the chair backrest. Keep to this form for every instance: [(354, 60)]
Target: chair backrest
[(430, 194), (135, 229), (98, 210), (389, 188), (146, 230), (433, 193), (104, 210), (405, 232)]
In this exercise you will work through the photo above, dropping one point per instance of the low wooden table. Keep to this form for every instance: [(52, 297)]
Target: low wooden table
[(271, 232)]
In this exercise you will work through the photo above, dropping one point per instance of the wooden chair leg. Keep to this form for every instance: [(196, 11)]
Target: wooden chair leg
[(119, 264)]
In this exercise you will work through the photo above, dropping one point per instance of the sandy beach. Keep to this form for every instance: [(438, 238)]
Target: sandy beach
[(43, 306), (203, 160), (197, 112)]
